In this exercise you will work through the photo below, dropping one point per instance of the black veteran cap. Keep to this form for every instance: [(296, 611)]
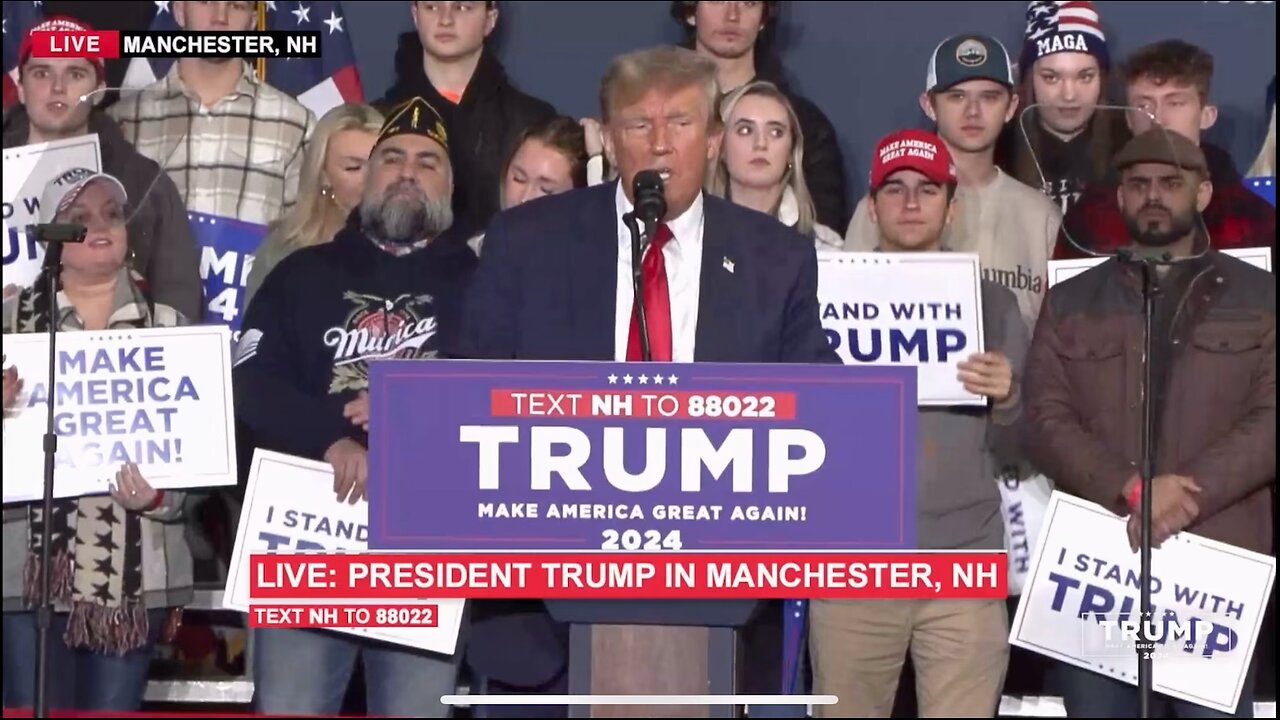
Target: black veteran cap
[(414, 116)]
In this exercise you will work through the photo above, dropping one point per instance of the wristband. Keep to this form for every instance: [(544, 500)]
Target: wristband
[(155, 502), (1134, 496)]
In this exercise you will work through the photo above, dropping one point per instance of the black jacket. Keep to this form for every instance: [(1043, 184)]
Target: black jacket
[(160, 237), (823, 160), (482, 128), (322, 314)]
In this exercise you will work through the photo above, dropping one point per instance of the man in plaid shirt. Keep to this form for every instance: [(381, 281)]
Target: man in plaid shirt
[(1170, 80), (232, 143)]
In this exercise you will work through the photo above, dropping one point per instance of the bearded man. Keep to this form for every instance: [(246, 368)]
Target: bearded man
[(390, 285)]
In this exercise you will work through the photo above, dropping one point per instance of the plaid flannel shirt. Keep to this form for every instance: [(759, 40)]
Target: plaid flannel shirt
[(241, 158), (1235, 217)]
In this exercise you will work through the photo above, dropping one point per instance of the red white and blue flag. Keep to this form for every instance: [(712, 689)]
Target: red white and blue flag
[(19, 17), (319, 83)]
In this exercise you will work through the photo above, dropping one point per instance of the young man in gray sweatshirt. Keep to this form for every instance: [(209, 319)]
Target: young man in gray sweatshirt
[(958, 647)]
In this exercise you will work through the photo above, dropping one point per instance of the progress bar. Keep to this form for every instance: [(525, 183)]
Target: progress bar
[(639, 700)]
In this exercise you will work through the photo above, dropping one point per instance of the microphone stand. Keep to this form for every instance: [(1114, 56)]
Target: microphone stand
[(639, 241), (44, 613), (1145, 645)]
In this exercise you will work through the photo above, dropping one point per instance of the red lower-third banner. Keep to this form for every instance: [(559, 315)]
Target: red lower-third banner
[(639, 576)]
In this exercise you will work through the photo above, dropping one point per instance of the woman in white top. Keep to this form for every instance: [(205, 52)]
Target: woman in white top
[(763, 149)]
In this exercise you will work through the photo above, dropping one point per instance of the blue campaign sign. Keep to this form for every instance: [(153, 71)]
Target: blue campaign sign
[(227, 247), (526, 456)]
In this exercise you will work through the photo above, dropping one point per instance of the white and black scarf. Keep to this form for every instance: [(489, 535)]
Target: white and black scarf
[(96, 543)]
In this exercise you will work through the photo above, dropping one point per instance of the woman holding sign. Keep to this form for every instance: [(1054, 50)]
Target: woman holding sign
[(120, 561)]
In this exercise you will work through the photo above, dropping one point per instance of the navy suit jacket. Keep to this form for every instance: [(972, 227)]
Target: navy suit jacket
[(546, 287)]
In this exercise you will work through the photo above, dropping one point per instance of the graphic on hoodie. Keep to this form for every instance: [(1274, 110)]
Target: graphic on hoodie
[(377, 328)]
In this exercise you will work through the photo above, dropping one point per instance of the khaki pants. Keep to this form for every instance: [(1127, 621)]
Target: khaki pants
[(959, 649)]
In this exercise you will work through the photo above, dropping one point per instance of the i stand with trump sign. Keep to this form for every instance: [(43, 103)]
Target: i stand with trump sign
[(1082, 606), (921, 310), (290, 507), (157, 397)]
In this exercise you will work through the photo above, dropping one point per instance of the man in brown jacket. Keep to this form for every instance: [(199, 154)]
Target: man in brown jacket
[(1213, 383)]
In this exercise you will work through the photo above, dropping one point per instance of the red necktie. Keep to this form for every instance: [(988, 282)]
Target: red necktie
[(657, 302)]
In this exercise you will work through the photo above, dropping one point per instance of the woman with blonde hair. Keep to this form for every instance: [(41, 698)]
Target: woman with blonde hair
[(332, 183), (760, 158)]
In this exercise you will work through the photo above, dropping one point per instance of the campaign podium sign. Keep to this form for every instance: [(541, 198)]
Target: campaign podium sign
[(537, 456), (546, 457)]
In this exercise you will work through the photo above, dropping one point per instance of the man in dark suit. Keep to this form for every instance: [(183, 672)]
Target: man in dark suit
[(722, 283), (555, 279)]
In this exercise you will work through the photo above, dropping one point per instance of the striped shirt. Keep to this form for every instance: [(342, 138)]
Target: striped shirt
[(241, 158)]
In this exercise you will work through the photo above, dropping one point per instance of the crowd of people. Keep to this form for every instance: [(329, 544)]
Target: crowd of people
[(460, 217)]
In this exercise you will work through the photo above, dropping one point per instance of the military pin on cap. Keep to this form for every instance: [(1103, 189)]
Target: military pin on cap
[(728, 264)]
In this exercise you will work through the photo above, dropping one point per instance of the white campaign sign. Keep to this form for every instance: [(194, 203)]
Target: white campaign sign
[(27, 169), (919, 309), (159, 397), (1208, 600), (1060, 270), (289, 503)]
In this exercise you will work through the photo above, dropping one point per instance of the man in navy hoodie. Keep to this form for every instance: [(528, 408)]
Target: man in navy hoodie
[(388, 286)]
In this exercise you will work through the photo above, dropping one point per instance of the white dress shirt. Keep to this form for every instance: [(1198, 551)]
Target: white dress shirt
[(683, 257)]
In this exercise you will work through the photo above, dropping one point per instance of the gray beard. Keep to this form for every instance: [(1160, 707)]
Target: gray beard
[(405, 220)]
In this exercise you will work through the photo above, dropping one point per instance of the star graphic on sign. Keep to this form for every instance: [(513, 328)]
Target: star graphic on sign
[(303, 13), (334, 22), (644, 379), (657, 379), (271, 6), (613, 379), (162, 6), (673, 379), (626, 379)]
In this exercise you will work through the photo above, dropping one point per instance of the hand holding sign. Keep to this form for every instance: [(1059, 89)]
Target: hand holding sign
[(132, 490), (350, 463), (12, 386), (1173, 508), (988, 374), (357, 411)]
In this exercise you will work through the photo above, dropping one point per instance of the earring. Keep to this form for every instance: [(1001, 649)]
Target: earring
[(327, 192)]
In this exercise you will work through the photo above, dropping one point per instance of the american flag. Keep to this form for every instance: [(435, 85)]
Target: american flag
[(1071, 16), (319, 83), (19, 17)]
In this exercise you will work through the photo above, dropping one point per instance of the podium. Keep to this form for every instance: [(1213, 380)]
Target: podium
[(654, 647), (580, 464)]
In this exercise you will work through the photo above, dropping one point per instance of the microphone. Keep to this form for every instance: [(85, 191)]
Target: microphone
[(650, 207), (650, 197), (53, 233)]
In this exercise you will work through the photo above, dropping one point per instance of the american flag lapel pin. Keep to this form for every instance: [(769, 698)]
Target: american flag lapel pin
[(728, 264)]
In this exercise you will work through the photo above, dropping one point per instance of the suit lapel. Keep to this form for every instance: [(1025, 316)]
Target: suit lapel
[(718, 290), (594, 272)]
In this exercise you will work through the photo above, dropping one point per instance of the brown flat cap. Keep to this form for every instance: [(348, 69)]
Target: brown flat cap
[(1166, 147)]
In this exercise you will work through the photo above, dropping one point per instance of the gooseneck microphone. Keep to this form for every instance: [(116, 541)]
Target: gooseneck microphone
[(650, 200)]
